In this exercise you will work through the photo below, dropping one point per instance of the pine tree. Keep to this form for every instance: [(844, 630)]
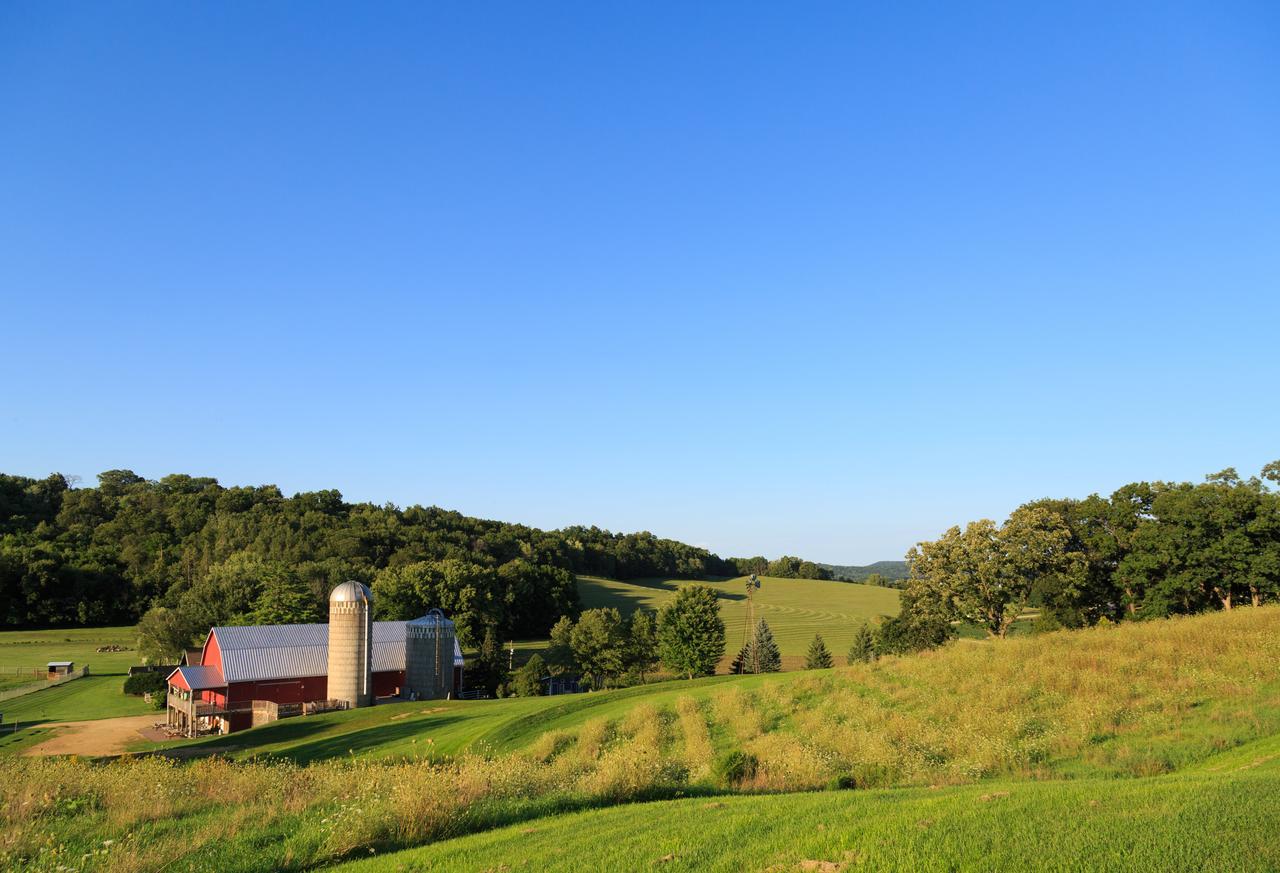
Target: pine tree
[(762, 652), (863, 649), (739, 664), (527, 680), (285, 599), (818, 657), (489, 670)]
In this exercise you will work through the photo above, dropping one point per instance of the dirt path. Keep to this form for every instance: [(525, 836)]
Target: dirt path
[(104, 736)]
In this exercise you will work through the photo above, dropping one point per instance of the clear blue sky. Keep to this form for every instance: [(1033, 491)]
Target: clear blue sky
[(822, 279)]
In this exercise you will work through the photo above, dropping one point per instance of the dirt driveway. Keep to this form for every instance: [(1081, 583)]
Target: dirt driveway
[(104, 736)]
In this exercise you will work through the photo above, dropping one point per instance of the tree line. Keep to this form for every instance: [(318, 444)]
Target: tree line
[(215, 554), (786, 567), (604, 649), (1149, 550)]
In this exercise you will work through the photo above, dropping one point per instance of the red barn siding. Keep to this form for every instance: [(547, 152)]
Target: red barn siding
[(388, 683), (280, 690), (211, 656), (284, 691)]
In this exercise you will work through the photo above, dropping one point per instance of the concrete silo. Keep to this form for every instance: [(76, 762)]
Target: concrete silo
[(351, 644), (428, 656)]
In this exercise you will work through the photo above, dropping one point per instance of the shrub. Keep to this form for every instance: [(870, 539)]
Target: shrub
[(843, 782), (735, 767), (141, 683)]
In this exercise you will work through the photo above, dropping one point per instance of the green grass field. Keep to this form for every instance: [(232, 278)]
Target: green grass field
[(795, 609), (28, 649), (1187, 822), (1144, 746), (432, 729), (98, 695)]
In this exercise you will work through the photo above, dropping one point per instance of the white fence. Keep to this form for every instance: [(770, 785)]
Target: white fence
[(46, 683)]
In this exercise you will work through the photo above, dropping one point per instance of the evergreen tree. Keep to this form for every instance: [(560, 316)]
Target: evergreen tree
[(818, 658), (489, 670), (739, 664), (285, 599), (863, 649), (526, 681), (762, 652), (691, 632)]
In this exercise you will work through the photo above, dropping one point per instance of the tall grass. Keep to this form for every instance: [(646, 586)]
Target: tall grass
[(1136, 700)]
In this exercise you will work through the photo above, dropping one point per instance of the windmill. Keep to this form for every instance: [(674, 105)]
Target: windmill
[(753, 584)]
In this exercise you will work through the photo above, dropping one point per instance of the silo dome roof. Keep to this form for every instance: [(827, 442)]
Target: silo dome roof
[(351, 592)]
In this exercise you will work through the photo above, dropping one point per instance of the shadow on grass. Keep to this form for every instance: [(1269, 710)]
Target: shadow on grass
[(369, 738), (627, 602)]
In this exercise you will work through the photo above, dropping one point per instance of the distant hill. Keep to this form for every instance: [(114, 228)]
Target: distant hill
[(796, 609), (892, 570)]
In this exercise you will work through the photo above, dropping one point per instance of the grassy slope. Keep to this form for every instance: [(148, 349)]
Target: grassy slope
[(98, 695), (433, 728), (1136, 700), (1193, 821), (964, 750), (795, 609)]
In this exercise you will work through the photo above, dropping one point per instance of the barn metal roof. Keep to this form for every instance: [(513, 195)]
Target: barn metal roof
[(201, 678), (257, 653)]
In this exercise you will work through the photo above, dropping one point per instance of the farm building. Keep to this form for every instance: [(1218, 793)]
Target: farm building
[(58, 669), (250, 675)]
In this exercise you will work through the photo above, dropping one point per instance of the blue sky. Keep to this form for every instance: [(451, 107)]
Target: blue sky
[(815, 279)]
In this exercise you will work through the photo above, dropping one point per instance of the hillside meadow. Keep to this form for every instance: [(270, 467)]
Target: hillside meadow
[(1167, 823), (1129, 706), (795, 609)]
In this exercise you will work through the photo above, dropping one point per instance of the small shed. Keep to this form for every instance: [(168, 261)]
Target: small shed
[(58, 669)]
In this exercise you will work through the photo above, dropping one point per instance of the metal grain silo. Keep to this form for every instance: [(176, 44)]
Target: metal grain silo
[(351, 644), (428, 656)]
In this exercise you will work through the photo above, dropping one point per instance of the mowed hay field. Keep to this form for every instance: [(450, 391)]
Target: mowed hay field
[(1144, 746), (98, 695), (23, 651), (436, 730), (795, 609)]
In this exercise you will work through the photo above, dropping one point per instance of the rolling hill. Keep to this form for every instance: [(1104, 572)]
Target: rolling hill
[(795, 609), (894, 570), (1167, 823), (1129, 747)]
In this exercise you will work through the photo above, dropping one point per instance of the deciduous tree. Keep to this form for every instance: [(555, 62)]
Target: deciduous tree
[(691, 632)]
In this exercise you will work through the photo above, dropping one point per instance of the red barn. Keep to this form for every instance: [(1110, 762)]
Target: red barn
[(250, 675)]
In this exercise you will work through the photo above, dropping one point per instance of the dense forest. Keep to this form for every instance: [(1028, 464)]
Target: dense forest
[(196, 553), (1149, 550)]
